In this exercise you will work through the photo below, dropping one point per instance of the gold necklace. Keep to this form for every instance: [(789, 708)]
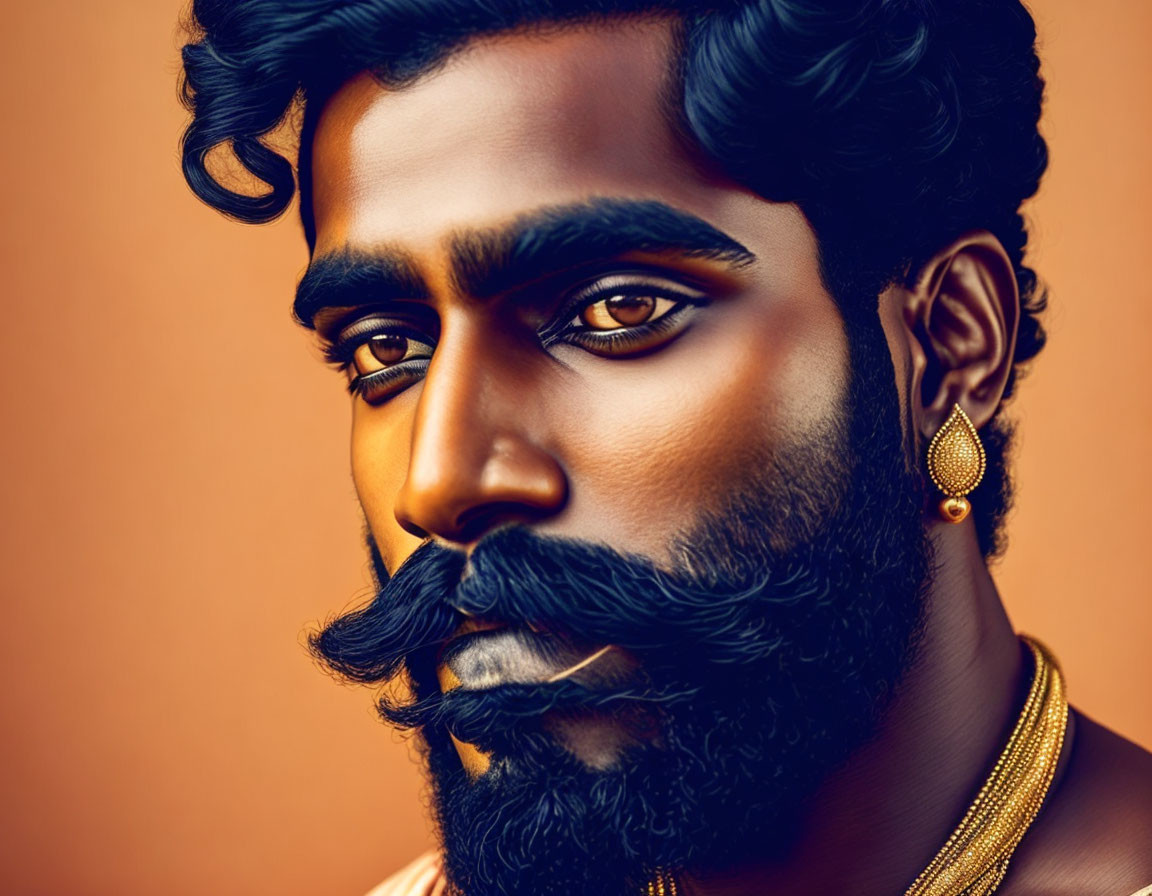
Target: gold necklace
[(975, 859), (663, 885)]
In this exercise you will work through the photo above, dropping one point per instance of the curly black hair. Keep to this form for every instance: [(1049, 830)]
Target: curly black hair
[(895, 125)]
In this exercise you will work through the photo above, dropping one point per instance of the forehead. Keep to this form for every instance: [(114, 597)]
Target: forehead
[(511, 122)]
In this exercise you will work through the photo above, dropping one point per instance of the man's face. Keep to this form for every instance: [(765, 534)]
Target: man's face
[(553, 314), (622, 445)]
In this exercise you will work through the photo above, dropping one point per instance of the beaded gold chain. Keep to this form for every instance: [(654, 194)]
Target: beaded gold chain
[(975, 859)]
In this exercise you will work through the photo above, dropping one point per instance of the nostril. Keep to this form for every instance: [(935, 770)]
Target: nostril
[(476, 522), (411, 528)]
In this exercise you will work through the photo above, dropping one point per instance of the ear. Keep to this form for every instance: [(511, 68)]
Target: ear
[(961, 313)]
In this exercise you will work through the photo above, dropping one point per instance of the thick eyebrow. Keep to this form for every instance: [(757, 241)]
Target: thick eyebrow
[(558, 238), (352, 277), (535, 245)]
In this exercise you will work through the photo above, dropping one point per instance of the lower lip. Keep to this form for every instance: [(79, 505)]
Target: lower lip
[(489, 659)]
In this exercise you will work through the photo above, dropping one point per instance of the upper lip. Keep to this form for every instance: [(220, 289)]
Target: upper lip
[(477, 624)]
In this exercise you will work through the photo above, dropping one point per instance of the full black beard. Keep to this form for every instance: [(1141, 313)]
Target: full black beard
[(768, 657)]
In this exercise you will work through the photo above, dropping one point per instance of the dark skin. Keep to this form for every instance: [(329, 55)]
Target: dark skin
[(625, 446)]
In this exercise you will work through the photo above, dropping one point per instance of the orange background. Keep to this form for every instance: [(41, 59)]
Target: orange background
[(177, 506)]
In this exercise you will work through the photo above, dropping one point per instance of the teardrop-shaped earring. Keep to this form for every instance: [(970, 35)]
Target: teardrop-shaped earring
[(956, 463)]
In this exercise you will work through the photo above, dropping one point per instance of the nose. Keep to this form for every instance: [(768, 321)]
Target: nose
[(476, 458)]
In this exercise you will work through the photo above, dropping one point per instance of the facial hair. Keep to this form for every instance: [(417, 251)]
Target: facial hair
[(768, 654)]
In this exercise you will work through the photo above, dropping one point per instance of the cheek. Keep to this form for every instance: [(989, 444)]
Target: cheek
[(661, 438), (648, 443), (380, 448)]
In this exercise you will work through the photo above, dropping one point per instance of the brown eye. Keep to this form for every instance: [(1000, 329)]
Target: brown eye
[(624, 311), (386, 349)]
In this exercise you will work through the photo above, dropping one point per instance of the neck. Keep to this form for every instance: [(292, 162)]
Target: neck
[(876, 823)]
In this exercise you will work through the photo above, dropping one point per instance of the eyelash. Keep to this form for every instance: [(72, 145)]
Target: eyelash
[(618, 342), (342, 351), (368, 385)]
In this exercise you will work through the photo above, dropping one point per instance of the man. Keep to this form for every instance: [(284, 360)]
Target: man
[(677, 338)]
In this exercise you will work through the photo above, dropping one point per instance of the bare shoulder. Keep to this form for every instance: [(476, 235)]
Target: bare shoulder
[(1092, 836), (421, 878)]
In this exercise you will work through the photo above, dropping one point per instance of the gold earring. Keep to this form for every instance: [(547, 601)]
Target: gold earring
[(956, 463)]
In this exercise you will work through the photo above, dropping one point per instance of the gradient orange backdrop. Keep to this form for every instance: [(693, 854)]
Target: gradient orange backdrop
[(177, 507)]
